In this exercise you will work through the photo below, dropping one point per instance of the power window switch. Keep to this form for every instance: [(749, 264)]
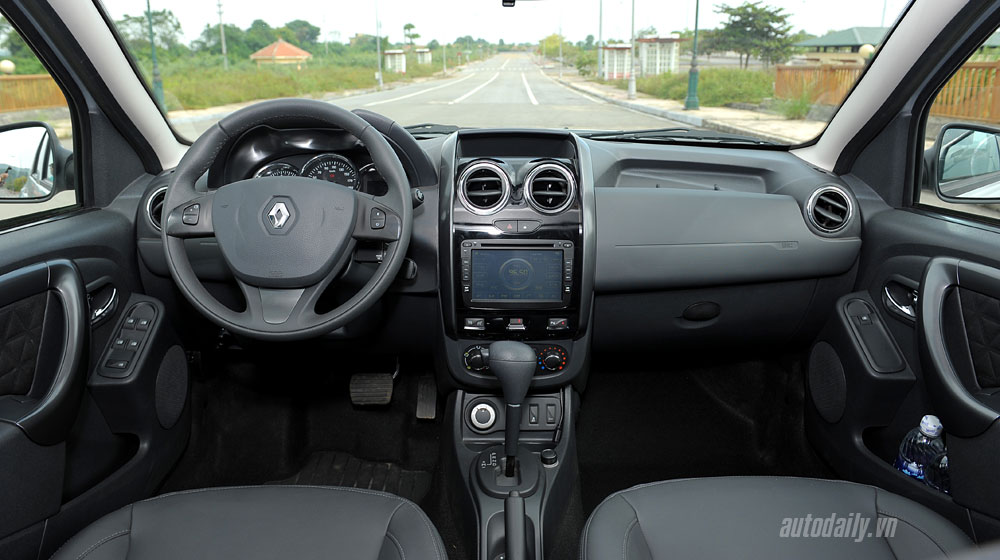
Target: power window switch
[(143, 324), (132, 345), (116, 364), (130, 322), (120, 343)]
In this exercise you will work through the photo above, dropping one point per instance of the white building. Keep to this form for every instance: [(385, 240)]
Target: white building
[(424, 56), (658, 55), (617, 63), (395, 61)]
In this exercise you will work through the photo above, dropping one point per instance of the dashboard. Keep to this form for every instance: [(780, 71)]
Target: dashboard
[(572, 244)]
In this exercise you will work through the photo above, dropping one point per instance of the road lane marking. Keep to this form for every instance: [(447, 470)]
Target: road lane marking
[(504, 65), (474, 90), (527, 88), (567, 88), (414, 94)]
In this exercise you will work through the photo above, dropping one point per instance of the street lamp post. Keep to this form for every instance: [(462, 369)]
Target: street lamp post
[(378, 46), (691, 103), (222, 36), (444, 56), (157, 82), (631, 76), (600, 35)]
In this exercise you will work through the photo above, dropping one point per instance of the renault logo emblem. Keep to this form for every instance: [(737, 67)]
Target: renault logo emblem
[(278, 215)]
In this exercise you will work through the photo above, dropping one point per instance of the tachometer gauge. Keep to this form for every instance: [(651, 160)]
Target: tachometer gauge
[(277, 169), (334, 168)]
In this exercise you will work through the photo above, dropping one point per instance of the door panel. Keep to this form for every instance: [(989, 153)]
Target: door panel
[(933, 283), (63, 466)]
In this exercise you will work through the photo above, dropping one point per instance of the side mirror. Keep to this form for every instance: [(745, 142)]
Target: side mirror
[(33, 164), (965, 164)]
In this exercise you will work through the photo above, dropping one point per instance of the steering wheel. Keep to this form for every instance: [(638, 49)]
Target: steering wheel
[(285, 238)]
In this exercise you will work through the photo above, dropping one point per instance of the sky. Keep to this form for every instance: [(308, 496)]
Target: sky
[(528, 21)]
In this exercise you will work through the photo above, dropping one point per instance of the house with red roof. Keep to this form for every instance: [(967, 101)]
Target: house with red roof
[(281, 52)]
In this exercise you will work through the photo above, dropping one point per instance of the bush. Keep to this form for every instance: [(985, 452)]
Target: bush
[(716, 86), (796, 108)]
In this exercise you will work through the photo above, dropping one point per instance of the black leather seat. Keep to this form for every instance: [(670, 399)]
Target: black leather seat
[(743, 517), (258, 522)]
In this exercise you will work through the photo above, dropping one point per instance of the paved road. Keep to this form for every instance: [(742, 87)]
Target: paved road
[(507, 90)]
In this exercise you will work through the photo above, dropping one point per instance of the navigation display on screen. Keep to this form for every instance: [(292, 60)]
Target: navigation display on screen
[(516, 275)]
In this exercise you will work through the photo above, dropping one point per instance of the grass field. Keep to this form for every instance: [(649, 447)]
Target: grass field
[(716, 86)]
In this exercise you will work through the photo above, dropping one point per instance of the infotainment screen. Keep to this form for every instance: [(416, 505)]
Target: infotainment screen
[(517, 275)]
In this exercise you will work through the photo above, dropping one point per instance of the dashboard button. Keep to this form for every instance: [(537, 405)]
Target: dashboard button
[(475, 324), (506, 226), (515, 324), (558, 324), (527, 226)]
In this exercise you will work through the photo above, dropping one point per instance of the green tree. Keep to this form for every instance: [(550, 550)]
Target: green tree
[(410, 34), (166, 31), (25, 61), (588, 43), (434, 45), (646, 32), (300, 33), (753, 29), (260, 34)]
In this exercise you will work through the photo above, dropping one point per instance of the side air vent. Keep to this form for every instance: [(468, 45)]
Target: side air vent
[(550, 188), (154, 207), (484, 187), (830, 209)]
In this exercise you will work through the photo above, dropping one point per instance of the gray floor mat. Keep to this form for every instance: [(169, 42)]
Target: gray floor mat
[(335, 468)]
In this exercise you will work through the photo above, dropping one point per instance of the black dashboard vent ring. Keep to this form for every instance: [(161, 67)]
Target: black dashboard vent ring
[(484, 188), (550, 188)]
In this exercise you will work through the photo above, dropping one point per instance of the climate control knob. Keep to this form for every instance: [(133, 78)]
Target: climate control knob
[(552, 359), (476, 358)]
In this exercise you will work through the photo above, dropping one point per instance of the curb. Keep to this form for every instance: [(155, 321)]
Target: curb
[(683, 117)]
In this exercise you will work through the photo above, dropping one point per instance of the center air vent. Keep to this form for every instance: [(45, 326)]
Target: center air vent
[(484, 187), (154, 207), (550, 188), (830, 209)]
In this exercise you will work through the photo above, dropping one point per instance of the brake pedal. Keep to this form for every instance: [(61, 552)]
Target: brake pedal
[(371, 389)]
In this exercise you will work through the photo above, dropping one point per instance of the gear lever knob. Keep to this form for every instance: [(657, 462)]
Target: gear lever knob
[(514, 364)]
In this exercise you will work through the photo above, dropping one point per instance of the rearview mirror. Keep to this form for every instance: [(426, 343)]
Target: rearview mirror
[(33, 164), (966, 158)]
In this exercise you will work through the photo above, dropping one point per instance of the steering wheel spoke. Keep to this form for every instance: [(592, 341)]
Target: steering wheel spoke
[(377, 219), (281, 306), (192, 218)]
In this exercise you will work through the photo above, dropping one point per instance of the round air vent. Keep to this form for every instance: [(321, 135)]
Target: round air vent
[(154, 207), (550, 188), (484, 187), (830, 209)]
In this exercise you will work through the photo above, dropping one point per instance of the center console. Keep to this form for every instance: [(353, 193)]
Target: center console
[(516, 266), (516, 263)]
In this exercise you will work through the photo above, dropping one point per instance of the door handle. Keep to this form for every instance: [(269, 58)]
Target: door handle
[(102, 302), (901, 300)]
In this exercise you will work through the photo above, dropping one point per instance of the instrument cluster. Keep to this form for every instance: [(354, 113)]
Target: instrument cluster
[(330, 167)]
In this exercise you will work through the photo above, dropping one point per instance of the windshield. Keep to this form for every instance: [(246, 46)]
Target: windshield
[(774, 71)]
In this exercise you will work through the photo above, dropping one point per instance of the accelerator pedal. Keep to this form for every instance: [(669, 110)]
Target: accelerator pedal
[(426, 398)]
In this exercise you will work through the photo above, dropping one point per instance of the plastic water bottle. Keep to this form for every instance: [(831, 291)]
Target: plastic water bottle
[(920, 447), (936, 473)]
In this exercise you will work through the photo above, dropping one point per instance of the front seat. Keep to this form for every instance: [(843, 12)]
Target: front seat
[(258, 522), (764, 517)]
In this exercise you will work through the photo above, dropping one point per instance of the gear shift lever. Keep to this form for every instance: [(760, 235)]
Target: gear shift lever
[(513, 363)]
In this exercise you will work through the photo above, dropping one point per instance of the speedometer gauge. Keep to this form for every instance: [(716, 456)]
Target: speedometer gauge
[(277, 169), (333, 168)]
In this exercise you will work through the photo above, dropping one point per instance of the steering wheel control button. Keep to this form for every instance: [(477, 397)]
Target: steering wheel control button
[(483, 416), (475, 324), (558, 324), (191, 215), (378, 218)]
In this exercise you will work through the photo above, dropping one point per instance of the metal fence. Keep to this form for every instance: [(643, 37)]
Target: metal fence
[(29, 91)]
